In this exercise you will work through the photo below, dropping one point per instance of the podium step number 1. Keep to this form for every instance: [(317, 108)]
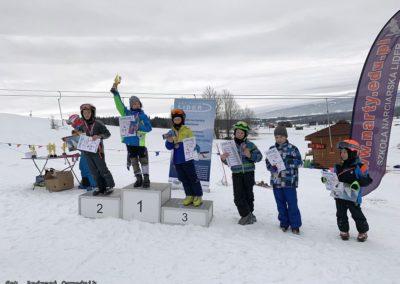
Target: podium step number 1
[(145, 204)]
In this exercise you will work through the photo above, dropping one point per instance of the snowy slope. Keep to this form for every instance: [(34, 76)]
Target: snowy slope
[(42, 237)]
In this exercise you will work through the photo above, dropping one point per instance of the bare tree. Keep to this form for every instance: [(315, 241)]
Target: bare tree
[(247, 115), (211, 93), (231, 110)]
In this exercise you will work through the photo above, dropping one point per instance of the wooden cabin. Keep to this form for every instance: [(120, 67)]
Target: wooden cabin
[(325, 156)]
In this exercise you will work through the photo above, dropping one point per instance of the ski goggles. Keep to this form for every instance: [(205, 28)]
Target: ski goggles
[(242, 124), (353, 146), (177, 111)]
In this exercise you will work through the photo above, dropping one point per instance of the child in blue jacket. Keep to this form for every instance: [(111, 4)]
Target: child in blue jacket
[(135, 145), (285, 183)]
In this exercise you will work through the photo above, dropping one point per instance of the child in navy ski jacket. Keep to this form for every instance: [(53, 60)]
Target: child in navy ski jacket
[(285, 182), (243, 175), (185, 169), (352, 173)]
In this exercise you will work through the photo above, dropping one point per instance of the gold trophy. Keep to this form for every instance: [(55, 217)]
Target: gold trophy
[(64, 147), (33, 151), (48, 147), (53, 147), (117, 81)]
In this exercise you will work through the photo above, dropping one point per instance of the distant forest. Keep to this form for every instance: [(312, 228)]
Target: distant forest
[(161, 122)]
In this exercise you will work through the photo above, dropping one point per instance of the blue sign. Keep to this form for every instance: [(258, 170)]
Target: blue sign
[(200, 117)]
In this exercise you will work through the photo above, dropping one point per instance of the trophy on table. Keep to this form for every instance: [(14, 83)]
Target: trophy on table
[(51, 148), (33, 151), (63, 148)]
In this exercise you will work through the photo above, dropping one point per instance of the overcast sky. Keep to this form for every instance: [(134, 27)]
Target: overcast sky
[(246, 47)]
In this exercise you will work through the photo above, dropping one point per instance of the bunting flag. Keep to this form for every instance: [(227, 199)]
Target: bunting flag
[(375, 100)]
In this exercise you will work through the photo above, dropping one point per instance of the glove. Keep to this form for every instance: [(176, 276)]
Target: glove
[(355, 186), (274, 169), (323, 179)]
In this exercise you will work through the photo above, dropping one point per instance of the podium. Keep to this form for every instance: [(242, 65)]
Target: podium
[(145, 204), (153, 205), (173, 212), (100, 206)]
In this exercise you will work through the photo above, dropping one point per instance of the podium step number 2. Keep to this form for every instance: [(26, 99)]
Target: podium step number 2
[(100, 206)]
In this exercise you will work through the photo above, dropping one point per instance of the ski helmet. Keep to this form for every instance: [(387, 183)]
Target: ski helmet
[(72, 118), (89, 107), (349, 144), (177, 112), (133, 99), (242, 125)]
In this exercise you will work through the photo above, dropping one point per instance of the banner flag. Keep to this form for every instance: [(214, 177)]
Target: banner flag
[(375, 100)]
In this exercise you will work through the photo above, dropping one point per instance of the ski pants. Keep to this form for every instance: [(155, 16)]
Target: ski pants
[(87, 178), (356, 213), (288, 210), (188, 177), (139, 157), (99, 170), (243, 195)]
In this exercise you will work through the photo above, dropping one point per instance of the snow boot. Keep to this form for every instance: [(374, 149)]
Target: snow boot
[(197, 201), (146, 181), (284, 229), (246, 220), (188, 200), (139, 181), (108, 191), (253, 217), (362, 237), (344, 236), (296, 231)]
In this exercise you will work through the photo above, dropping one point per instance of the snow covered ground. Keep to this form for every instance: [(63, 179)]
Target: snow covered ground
[(42, 237)]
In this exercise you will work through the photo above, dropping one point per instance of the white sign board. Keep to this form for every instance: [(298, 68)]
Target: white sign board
[(230, 147), (87, 144), (188, 147), (275, 159), (128, 125)]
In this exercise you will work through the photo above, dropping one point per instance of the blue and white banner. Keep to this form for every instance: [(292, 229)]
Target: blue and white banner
[(200, 117)]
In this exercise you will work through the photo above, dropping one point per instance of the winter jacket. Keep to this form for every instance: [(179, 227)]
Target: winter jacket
[(292, 159), (353, 171), (95, 127), (247, 163), (143, 121), (177, 146)]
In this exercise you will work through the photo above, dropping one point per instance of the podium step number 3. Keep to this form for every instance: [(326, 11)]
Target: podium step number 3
[(100, 206), (173, 212)]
